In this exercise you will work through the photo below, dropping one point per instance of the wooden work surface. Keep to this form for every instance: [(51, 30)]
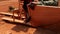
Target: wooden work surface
[(6, 28)]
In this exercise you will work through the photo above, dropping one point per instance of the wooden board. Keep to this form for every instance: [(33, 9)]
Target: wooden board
[(10, 14), (11, 19), (7, 13)]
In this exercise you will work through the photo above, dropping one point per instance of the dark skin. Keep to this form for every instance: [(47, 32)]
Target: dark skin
[(26, 10)]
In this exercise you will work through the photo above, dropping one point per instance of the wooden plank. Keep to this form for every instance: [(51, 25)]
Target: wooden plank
[(16, 21), (7, 13), (10, 14), (11, 19)]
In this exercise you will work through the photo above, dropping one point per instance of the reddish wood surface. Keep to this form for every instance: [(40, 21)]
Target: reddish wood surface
[(44, 16)]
